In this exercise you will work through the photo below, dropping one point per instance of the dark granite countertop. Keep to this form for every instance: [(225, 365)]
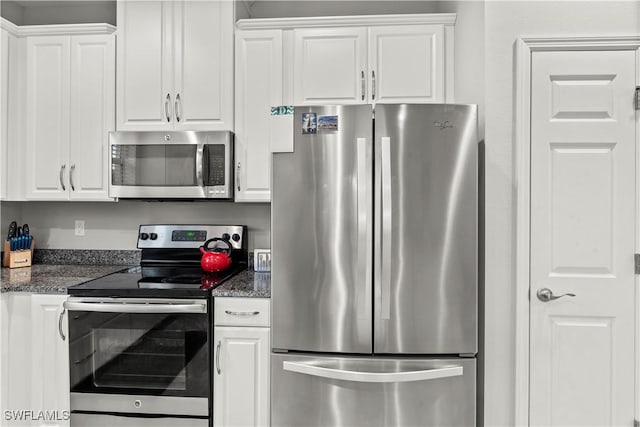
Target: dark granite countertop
[(51, 278), (246, 284), (54, 271)]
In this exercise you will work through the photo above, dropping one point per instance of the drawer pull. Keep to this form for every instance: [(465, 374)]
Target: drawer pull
[(242, 313)]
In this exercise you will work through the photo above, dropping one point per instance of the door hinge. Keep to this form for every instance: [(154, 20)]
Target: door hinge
[(637, 98), (637, 266)]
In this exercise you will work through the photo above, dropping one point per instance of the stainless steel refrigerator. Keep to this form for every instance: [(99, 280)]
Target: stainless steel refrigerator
[(374, 267)]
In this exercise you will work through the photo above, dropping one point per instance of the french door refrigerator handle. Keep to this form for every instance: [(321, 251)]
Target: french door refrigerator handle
[(386, 227), (372, 377), (364, 196), (138, 308)]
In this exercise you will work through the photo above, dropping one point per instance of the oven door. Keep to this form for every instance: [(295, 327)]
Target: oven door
[(171, 165), (148, 351)]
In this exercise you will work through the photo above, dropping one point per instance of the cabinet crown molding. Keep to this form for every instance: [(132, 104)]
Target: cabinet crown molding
[(346, 21), (58, 29)]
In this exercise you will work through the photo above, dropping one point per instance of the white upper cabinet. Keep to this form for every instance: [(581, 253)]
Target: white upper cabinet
[(330, 66), (69, 112), (406, 61), (258, 88), (175, 65), (406, 64)]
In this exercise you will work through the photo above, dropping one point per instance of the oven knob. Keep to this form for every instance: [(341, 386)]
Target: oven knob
[(236, 237), (226, 237), (137, 403), (153, 236), (144, 236)]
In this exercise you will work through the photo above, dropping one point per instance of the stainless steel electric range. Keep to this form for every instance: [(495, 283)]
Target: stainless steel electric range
[(140, 340)]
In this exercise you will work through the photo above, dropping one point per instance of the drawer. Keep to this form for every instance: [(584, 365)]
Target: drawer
[(241, 311)]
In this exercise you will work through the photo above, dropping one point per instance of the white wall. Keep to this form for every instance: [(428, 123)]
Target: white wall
[(504, 22), (115, 225), (39, 12)]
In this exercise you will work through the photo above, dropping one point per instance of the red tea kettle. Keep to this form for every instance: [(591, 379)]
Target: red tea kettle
[(212, 261)]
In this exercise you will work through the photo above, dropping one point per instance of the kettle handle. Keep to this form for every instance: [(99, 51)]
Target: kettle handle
[(217, 239)]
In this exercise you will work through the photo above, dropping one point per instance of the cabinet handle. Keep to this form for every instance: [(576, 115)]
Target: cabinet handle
[(62, 168), (178, 112), (373, 84), (60, 331), (218, 358), (362, 86), (167, 101), (242, 313), (238, 176), (73, 168)]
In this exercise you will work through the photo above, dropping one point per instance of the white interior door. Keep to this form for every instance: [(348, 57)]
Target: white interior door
[(582, 238)]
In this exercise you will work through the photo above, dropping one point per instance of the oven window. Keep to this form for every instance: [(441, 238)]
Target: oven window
[(154, 165), (138, 358), (139, 353)]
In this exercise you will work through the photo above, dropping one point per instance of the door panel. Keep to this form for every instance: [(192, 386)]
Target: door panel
[(322, 234), (426, 230), (582, 238)]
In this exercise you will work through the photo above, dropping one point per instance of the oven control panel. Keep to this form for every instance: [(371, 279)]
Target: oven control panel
[(165, 236)]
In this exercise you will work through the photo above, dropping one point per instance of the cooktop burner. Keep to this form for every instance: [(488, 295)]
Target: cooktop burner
[(170, 266)]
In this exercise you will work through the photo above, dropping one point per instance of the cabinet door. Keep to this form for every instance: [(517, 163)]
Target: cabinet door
[(258, 88), (144, 83), (241, 377), (4, 116), (92, 115), (406, 64), (330, 66), (47, 136), (50, 359), (203, 61)]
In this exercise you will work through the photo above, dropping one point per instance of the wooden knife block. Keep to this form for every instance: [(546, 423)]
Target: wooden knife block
[(15, 259)]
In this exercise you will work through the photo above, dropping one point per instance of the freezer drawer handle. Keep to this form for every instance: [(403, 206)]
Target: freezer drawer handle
[(372, 377)]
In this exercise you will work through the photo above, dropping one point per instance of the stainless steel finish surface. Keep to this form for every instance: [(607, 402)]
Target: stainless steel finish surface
[(167, 101), (242, 313), (106, 420), (133, 305), (309, 400), (178, 107), (60, 331), (164, 233), (61, 177), (546, 295), (429, 305), (73, 168), (174, 405), (173, 139), (218, 347), (373, 85), (317, 234)]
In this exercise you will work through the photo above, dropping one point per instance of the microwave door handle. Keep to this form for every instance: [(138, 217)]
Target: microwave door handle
[(138, 308), (202, 163)]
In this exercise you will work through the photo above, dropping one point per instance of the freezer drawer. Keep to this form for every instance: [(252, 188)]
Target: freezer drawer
[(360, 391)]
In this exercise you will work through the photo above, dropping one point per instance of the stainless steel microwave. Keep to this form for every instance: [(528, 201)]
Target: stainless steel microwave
[(171, 165)]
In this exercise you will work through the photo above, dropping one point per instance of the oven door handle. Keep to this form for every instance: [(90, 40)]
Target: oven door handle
[(143, 308)]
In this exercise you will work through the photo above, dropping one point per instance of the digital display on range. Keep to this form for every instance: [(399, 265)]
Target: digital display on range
[(188, 235)]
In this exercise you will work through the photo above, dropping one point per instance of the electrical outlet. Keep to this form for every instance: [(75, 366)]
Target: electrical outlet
[(79, 227), (262, 259)]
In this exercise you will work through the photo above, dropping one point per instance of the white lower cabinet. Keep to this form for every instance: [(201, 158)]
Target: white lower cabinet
[(241, 362), (35, 362)]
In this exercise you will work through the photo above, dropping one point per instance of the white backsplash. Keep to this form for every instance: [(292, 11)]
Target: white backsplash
[(111, 225)]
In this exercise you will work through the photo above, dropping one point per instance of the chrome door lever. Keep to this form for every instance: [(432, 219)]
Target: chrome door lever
[(546, 295)]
